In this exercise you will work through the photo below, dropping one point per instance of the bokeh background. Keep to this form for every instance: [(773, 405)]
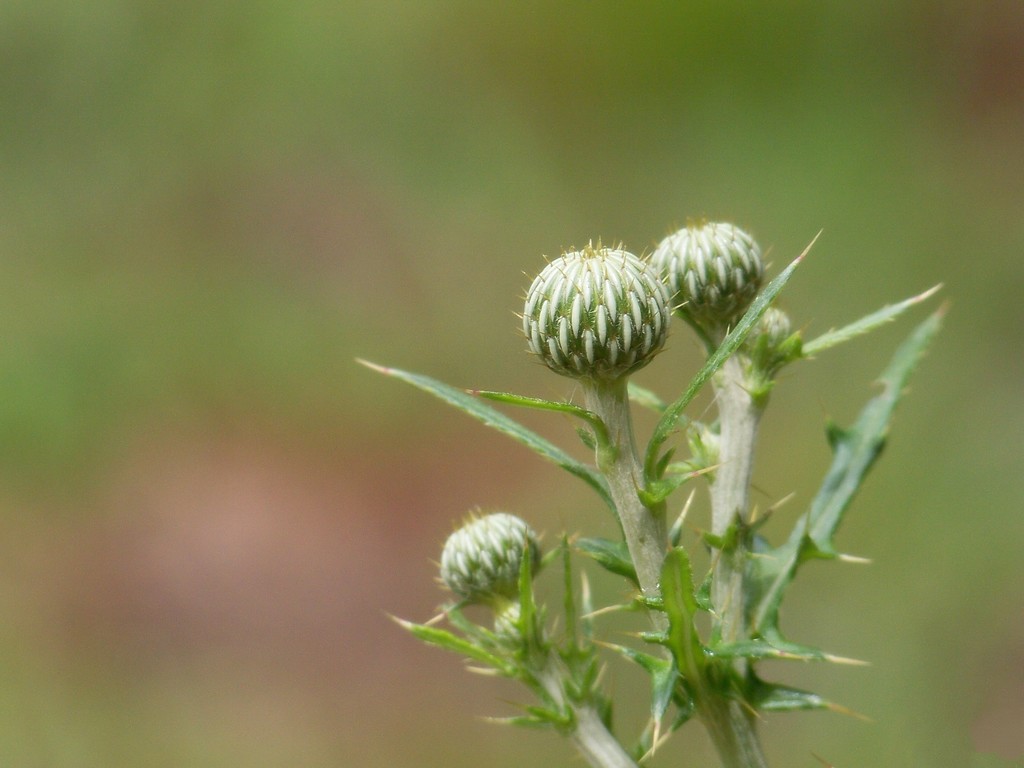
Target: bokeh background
[(209, 209)]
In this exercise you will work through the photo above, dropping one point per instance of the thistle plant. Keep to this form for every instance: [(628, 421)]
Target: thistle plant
[(598, 315)]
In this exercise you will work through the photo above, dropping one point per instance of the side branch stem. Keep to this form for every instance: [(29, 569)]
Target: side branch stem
[(592, 738)]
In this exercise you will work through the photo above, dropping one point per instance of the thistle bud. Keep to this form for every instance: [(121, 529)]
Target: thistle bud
[(482, 559), (714, 271), (772, 329), (598, 313), (771, 343), (506, 622), (705, 445)]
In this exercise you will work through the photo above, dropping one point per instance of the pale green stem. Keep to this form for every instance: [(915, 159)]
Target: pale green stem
[(644, 528), (600, 748), (739, 417), (592, 738), (731, 727), (733, 733)]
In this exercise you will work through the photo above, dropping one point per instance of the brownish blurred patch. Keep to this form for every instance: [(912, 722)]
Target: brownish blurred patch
[(228, 573), (244, 542), (997, 727)]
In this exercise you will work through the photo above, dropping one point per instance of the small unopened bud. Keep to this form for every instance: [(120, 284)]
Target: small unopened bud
[(482, 559), (598, 313), (771, 343), (774, 327), (705, 445), (506, 622), (714, 271)]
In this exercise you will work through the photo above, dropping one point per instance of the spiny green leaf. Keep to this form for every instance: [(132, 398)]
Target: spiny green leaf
[(442, 638), (663, 462), (725, 541), (805, 652), (855, 450), (681, 609), (523, 721), (672, 414), (474, 632), (771, 697), (613, 556), (561, 719), (762, 649), (663, 684), (539, 716), (578, 650), (649, 663), (587, 438), (600, 431), (527, 622), (645, 398), (653, 637), (499, 421), (663, 677), (868, 323), (703, 593), (685, 708), (653, 732), (659, 490), (584, 672)]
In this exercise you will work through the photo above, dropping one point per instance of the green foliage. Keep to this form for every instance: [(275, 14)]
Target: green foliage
[(864, 325), (681, 607), (474, 651), (645, 398), (854, 452), (770, 697), (599, 430), (613, 556), (471, 405)]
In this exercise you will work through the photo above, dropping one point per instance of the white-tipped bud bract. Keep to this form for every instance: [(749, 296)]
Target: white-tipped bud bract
[(713, 270), (597, 313), (482, 559)]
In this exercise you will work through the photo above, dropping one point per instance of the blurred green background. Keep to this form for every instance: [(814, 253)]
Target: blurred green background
[(209, 209)]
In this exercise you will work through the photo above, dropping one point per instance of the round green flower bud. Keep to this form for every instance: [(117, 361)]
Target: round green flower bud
[(598, 313), (481, 560), (714, 271)]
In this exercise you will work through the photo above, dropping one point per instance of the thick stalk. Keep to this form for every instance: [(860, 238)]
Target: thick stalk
[(644, 529), (731, 727), (739, 417), (733, 734)]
